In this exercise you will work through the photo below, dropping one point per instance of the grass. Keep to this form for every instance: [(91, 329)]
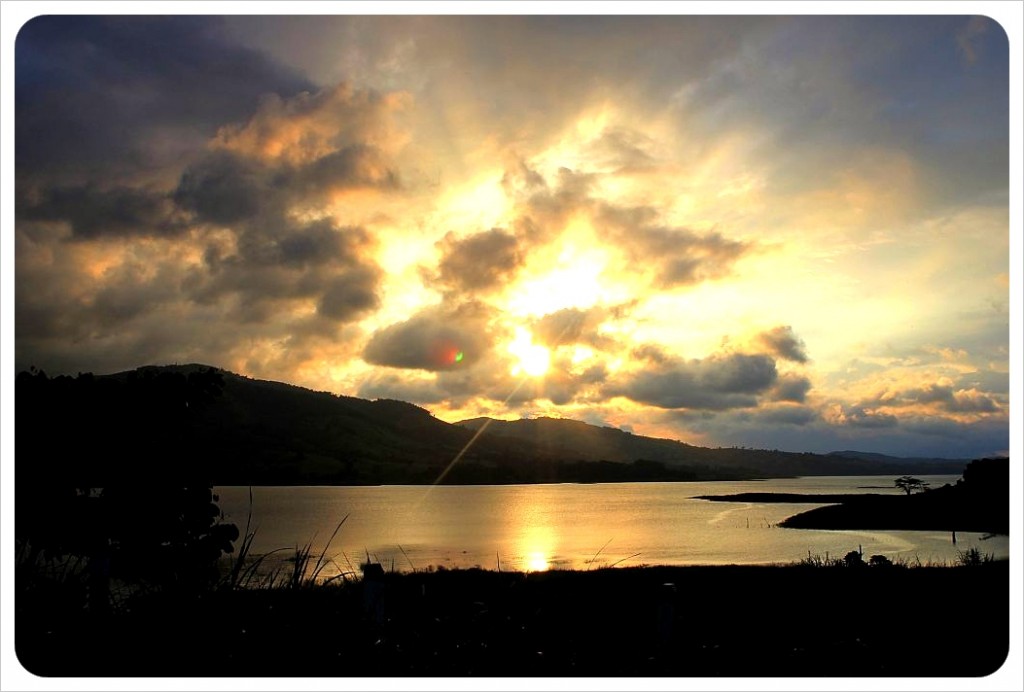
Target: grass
[(971, 557), (474, 622), (306, 567)]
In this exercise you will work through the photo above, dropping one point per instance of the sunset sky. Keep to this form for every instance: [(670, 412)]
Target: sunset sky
[(784, 232)]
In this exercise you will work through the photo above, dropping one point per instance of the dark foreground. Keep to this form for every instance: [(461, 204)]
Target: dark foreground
[(732, 621)]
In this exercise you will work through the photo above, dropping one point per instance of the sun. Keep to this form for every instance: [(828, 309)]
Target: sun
[(532, 359)]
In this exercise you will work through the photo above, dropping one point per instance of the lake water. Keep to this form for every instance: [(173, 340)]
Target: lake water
[(571, 526)]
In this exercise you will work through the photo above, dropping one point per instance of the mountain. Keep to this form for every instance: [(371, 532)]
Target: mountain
[(166, 421), (573, 439), (916, 461)]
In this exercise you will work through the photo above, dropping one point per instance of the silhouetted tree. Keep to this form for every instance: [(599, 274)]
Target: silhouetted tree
[(909, 484), (879, 561), (114, 469)]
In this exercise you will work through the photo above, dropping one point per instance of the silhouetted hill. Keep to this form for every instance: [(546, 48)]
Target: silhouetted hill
[(194, 419), (575, 439), (874, 456)]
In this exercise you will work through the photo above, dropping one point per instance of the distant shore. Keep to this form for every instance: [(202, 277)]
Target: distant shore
[(944, 509)]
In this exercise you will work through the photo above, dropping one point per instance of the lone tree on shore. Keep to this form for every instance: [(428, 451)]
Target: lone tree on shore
[(909, 484)]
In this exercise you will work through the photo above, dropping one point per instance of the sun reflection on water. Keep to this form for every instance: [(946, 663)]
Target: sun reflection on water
[(537, 562), (536, 544)]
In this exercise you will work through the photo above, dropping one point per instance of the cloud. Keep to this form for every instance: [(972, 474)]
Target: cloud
[(992, 381), (436, 338), (255, 177), (389, 385), (782, 342), (313, 125), (967, 37), (286, 261), (954, 401), (578, 326), (350, 294), (939, 397), (92, 212), (859, 417), (715, 383), (478, 262), (235, 257), (544, 210), (626, 150), (786, 415), (225, 189), (270, 163), (102, 98), (791, 388), (673, 256)]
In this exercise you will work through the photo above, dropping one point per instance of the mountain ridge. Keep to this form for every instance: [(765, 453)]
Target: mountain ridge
[(242, 430)]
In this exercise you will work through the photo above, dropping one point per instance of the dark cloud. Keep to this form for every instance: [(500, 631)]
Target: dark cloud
[(859, 417), (437, 338), (318, 243), (782, 342), (276, 260), (715, 383), (262, 266), (131, 290), (91, 212), (355, 166), (786, 415), (674, 256), (478, 262), (195, 154), (100, 97), (388, 385), (270, 163), (791, 388), (959, 401), (350, 294), (941, 395), (224, 189), (285, 156)]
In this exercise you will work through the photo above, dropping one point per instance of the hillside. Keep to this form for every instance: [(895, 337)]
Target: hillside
[(577, 440), (234, 430)]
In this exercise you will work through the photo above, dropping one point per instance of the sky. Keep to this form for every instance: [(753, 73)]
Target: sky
[(786, 232)]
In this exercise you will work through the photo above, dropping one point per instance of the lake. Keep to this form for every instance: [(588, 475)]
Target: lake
[(571, 526)]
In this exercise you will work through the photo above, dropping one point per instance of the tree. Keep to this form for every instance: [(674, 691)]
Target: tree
[(909, 484), (117, 470)]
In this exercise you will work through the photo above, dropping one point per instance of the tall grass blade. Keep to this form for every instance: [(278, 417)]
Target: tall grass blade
[(596, 554)]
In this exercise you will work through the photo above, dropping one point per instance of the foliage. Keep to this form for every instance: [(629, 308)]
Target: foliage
[(854, 559), (111, 470), (909, 484), (972, 557)]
